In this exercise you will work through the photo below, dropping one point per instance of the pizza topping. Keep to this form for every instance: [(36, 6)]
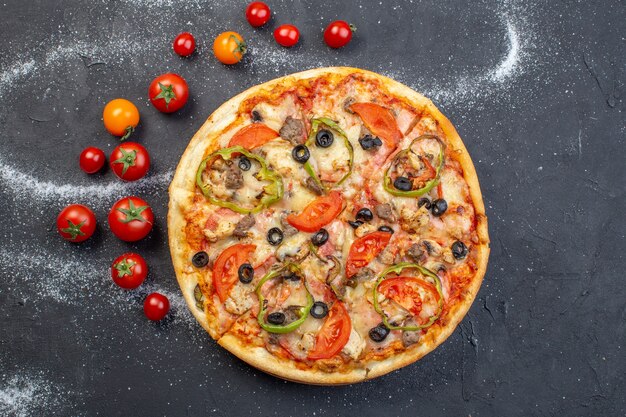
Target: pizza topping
[(438, 207), (200, 259), (288, 230), (245, 273), (415, 252), (314, 186), (226, 266), (256, 116), (320, 237), (410, 337), (334, 334), (317, 213), (252, 136), (365, 215), (293, 131), (379, 333), (420, 296), (364, 250), (301, 311), (364, 229), (244, 164), (331, 162), (385, 229), (424, 201), (246, 222), (276, 317), (355, 224), (324, 138), (413, 221), (369, 142), (380, 121), (217, 179), (275, 236), (459, 250), (319, 310), (385, 211), (414, 171), (355, 345), (300, 153)]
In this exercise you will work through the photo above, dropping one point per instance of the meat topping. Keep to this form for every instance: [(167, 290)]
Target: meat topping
[(241, 230), (293, 130)]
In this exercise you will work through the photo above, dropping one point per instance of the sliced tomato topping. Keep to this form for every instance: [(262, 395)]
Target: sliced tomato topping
[(406, 292), (380, 121), (364, 249), (226, 267), (253, 136), (318, 213), (334, 333)]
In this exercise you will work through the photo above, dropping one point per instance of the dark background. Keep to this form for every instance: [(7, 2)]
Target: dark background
[(536, 90)]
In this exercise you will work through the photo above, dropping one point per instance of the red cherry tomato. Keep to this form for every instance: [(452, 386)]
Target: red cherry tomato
[(130, 161), (318, 213), (156, 306), (168, 92), (76, 223), (287, 35), (91, 160), (258, 13), (338, 33), (130, 219), (129, 270), (184, 44)]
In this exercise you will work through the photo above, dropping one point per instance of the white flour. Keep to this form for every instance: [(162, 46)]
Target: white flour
[(25, 396)]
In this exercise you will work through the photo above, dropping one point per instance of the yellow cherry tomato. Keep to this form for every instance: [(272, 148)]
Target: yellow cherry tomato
[(229, 47), (120, 117)]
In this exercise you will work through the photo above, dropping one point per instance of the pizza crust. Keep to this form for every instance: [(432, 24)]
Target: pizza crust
[(182, 191)]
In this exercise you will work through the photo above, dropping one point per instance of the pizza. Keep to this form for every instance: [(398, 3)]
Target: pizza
[(327, 227)]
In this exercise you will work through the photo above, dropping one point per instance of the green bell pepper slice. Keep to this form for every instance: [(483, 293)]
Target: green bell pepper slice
[(304, 311), (315, 124), (398, 269), (388, 183), (273, 192)]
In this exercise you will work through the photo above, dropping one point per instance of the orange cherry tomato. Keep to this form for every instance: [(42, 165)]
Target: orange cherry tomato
[(226, 268), (253, 136), (364, 249), (229, 47), (120, 117), (317, 213), (334, 334)]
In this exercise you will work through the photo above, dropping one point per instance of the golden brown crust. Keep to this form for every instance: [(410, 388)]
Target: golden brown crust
[(181, 195)]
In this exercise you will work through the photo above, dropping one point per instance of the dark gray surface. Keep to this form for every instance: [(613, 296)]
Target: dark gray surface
[(535, 90)]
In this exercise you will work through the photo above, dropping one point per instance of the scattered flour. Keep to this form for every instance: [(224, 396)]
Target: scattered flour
[(25, 396)]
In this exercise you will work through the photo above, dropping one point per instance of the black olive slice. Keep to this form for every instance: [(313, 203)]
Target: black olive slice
[(246, 273), (403, 184), (424, 201), (200, 259), (319, 310), (276, 317), (459, 250), (438, 207), (355, 224), (275, 236), (365, 215), (320, 237), (385, 229), (379, 333), (244, 163), (300, 153), (324, 138)]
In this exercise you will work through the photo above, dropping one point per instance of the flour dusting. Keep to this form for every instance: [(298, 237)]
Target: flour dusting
[(26, 396)]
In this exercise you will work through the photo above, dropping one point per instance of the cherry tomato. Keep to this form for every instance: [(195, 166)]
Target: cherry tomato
[(226, 267), (184, 44), (76, 223), (287, 35), (364, 249), (156, 306), (409, 292), (258, 13), (380, 121), (130, 219), (317, 213), (91, 160), (338, 33), (229, 47), (120, 117), (168, 92), (253, 136), (129, 270), (333, 335), (130, 161)]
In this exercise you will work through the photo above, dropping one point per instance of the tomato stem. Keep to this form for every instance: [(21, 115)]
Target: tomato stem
[(129, 131)]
